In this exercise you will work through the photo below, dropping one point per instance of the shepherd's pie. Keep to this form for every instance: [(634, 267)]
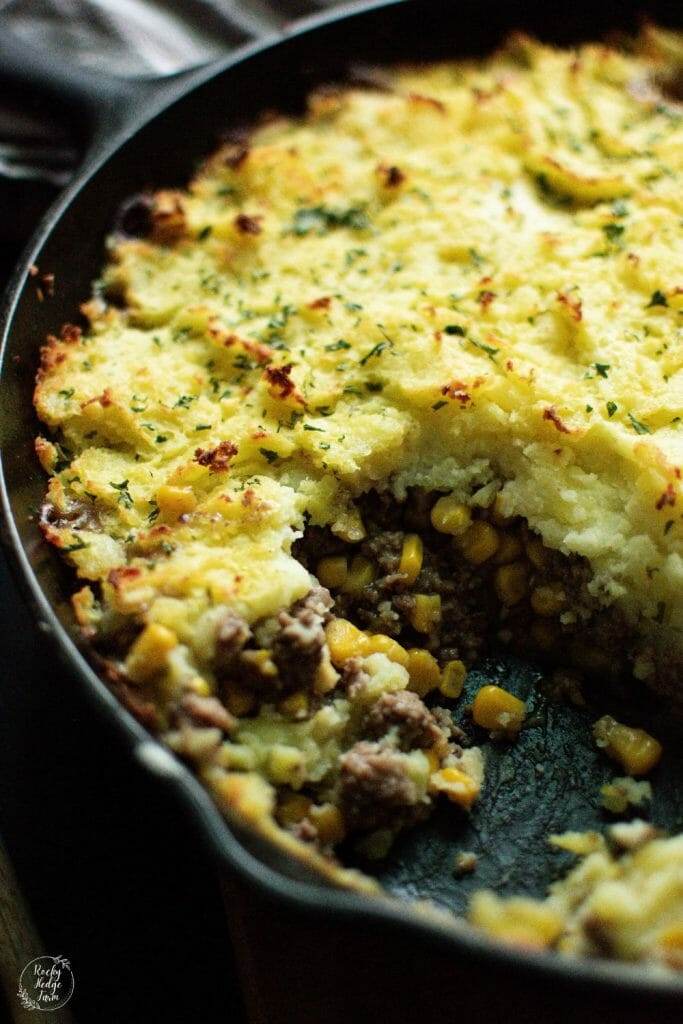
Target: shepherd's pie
[(387, 382)]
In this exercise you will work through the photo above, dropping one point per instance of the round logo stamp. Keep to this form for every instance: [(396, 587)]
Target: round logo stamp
[(46, 983)]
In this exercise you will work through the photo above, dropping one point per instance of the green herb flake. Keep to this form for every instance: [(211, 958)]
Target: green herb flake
[(613, 232), (322, 219), (640, 428), (455, 329), (66, 393), (203, 426), (657, 299), (374, 352), (78, 545), (185, 401), (204, 233), (138, 404), (320, 430), (667, 526), (269, 455), (337, 346), (161, 439), (602, 369), (490, 350), (439, 405), (153, 512), (611, 409), (124, 497)]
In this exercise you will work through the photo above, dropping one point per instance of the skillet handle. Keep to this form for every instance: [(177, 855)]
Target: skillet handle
[(96, 104)]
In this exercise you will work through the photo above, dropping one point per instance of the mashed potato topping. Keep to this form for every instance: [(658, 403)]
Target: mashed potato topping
[(469, 281)]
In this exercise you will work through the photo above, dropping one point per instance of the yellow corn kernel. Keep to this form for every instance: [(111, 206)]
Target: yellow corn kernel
[(292, 808), (332, 572), (329, 822), (238, 700), (670, 942), (453, 679), (361, 573), (378, 643), (509, 550), (411, 557), (496, 514), (480, 542), (519, 921), (510, 583), (260, 662), (344, 641), (175, 501), (545, 633), (450, 516), (537, 552), (634, 749), (548, 600), (295, 705), (434, 760), (423, 670), (459, 787), (498, 710), (425, 615), (199, 686), (149, 653), (286, 765)]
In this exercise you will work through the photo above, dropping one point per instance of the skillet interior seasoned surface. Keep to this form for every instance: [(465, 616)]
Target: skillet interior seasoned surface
[(102, 407)]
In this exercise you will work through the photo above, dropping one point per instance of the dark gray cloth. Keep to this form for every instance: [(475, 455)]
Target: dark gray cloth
[(128, 38)]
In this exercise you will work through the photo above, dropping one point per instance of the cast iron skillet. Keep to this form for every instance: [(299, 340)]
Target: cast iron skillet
[(141, 137)]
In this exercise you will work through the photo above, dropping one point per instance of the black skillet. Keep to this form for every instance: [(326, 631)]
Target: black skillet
[(310, 953)]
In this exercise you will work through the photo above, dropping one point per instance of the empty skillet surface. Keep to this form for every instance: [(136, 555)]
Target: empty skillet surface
[(521, 803), (547, 781)]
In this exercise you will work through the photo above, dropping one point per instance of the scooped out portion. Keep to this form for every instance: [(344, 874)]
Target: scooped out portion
[(386, 384)]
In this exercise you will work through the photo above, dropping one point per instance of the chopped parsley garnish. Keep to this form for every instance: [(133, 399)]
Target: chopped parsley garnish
[(161, 439), (124, 497), (205, 232), (613, 231), (455, 329), (667, 526), (153, 512), (589, 408), (374, 386), (640, 428), (337, 346), (322, 219), (185, 401), (611, 409), (439, 405), (203, 426), (138, 404), (77, 545), (490, 350), (307, 426), (602, 369), (268, 454), (375, 352), (657, 299), (66, 393)]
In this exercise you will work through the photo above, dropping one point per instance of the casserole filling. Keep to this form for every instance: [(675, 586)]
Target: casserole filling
[(387, 384)]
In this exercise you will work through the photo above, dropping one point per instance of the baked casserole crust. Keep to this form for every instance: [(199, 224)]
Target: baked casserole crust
[(428, 332)]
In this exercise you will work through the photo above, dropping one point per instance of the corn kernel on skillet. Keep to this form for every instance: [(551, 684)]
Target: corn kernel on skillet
[(158, 644)]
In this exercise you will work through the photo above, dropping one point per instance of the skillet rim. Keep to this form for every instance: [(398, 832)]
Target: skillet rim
[(216, 833)]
